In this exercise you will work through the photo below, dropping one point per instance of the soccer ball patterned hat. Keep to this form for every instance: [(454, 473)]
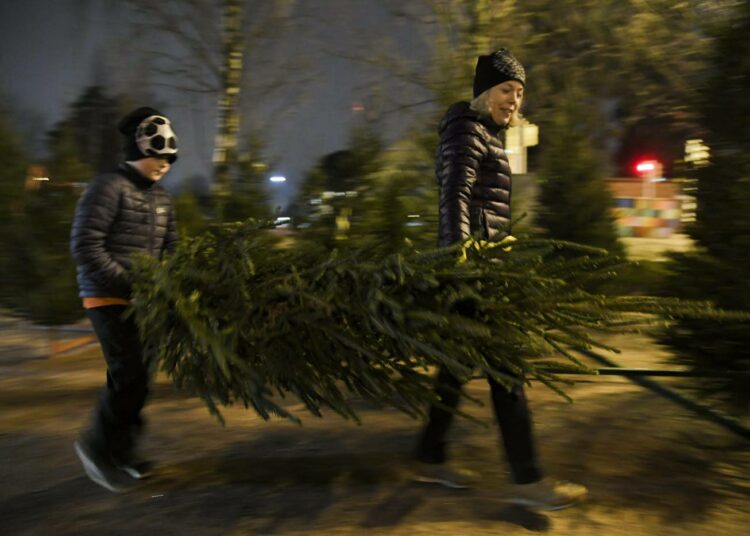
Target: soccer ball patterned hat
[(147, 133)]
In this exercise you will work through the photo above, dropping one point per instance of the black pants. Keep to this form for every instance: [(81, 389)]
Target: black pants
[(513, 416), (117, 418)]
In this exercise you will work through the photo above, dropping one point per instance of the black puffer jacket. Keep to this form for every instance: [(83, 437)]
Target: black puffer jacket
[(119, 214), (474, 177)]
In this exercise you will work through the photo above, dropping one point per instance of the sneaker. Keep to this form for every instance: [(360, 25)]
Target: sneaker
[(435, 473), (548, 494), (99, 469), (139, 469)]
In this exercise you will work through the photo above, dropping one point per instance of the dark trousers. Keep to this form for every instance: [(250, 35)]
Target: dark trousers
[(513, 416), (117, 418)]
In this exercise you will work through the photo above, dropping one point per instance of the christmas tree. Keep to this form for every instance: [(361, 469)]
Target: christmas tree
[(236, 319)]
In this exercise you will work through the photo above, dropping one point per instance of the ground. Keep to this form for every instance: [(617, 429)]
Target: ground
[(652, 467)]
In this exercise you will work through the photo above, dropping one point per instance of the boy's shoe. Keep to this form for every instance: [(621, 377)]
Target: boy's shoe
[(441, 474), (547, 494), (99, 469), (138, 469)]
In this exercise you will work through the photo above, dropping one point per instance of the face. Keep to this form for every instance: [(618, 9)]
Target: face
[(152, 168), (505, 101)]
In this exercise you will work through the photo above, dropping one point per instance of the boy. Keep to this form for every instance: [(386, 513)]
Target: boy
[(120, 214)]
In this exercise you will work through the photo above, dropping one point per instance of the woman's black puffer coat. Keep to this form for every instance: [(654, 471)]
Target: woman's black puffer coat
[(119, 214), (474, 177)]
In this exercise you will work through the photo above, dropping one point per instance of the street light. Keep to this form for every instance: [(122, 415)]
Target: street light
[(278, 178)]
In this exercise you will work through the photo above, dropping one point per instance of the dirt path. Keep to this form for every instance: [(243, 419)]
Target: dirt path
[(652, 467)]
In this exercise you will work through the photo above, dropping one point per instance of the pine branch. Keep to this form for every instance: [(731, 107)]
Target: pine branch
[(232, 318)]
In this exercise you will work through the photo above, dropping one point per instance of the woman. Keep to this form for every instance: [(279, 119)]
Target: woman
[(475, 193)]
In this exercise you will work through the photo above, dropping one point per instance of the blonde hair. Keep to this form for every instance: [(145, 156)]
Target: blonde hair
[(481, 105)]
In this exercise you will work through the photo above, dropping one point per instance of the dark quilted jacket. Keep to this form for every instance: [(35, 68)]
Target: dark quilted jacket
[(119, 214), (474, 177)]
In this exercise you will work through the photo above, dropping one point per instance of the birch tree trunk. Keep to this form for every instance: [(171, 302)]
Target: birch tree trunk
[(228, 117)]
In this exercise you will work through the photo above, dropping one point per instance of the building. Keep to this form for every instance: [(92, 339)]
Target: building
[(651, 208)]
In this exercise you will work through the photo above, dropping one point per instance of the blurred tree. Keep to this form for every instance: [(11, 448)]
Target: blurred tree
[(720, 269), (330, 198), (92, 121), (400, 200), (192, 206), (575, 203), (302, 207), (213, 44), (633, 58), (39, 267), (249, 196), (228, 117), (372, 196), (607, 64), (191, 219), (12, 178)]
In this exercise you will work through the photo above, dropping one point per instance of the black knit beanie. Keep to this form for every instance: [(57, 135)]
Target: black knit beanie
[(156, 144), (496, 68)]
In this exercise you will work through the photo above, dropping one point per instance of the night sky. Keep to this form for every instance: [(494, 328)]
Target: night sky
[(53, 49)]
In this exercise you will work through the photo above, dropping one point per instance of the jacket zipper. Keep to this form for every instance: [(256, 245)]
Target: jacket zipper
[(151, 223)]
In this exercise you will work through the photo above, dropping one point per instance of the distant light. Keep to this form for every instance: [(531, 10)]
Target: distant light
[(41, 178), (278, 178), (358, 107), (413, 216), (697, 153), (643, 167)]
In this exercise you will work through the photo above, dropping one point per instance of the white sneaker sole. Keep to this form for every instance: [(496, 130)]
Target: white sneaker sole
[(135, 473), (93, 472)]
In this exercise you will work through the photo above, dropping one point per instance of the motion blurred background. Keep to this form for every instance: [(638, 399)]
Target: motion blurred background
[(322, 115)]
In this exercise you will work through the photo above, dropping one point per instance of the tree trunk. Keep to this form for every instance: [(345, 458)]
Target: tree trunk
[(228, 119)]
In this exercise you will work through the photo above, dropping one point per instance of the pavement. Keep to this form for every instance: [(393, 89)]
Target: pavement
[(21, 341), (652, 467)]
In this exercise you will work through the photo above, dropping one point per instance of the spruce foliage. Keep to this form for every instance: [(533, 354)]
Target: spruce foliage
[(720, 268), (38, 273), (236, 319), (575, 203)]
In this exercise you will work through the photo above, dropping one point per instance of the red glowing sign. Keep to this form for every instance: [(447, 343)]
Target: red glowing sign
[(646, 166)]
